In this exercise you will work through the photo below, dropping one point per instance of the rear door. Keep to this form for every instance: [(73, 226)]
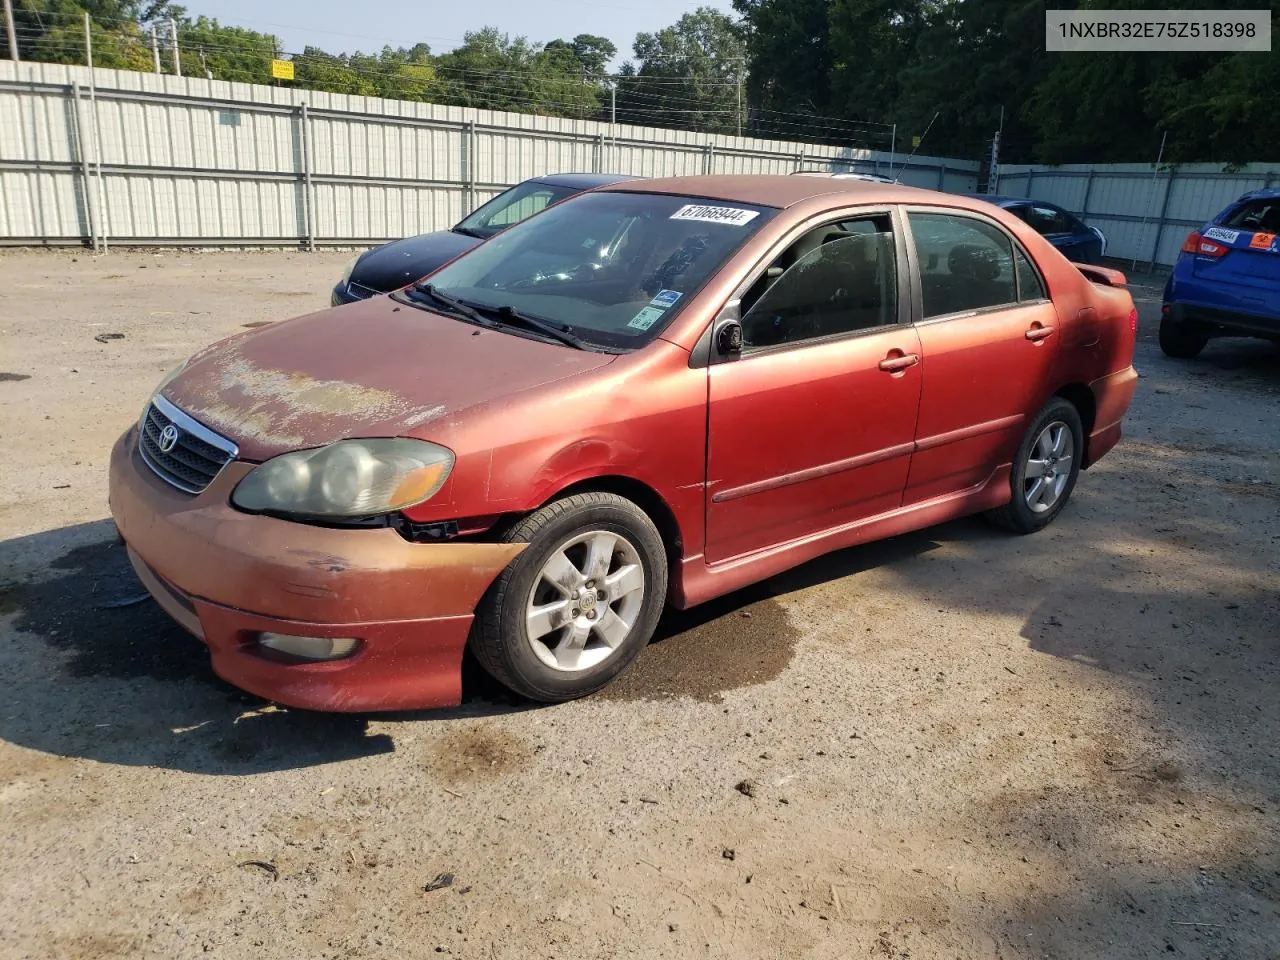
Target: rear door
[(1245, 272), (989, 336)]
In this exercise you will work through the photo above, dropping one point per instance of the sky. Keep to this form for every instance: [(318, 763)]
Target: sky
[(340, 26)]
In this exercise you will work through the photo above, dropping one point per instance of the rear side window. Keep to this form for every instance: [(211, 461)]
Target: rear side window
[(1263, 215), (965, 264)]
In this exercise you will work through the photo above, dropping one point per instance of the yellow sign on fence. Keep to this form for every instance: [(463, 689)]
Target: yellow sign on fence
[(282, 69), (915, 141)]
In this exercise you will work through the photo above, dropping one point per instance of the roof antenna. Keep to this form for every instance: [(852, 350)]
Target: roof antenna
[(919, 140)]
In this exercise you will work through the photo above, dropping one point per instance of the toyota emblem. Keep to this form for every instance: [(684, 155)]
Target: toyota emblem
[(168, 438)]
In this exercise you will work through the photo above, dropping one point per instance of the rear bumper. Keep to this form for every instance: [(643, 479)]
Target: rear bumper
[(1223, 322), (1112, 396), (227, 577)]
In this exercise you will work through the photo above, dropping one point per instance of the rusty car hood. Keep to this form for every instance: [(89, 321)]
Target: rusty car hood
[(368, 369)]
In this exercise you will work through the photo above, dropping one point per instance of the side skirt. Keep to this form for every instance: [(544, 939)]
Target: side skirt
[(697, 581)]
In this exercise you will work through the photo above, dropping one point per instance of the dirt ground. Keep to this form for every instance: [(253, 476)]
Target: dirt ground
[(957, 743)]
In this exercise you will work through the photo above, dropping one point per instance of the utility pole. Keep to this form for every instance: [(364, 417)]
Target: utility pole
[(993, 177), (13, 35), (613, 103), (177, 56), (993, 174), (740, 77), (155, 49), (204, 64)]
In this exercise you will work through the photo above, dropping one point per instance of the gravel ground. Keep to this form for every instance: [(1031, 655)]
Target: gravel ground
[(955, 743)]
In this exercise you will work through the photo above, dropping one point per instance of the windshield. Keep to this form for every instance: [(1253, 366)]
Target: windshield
[(511, 206), (612, 268)]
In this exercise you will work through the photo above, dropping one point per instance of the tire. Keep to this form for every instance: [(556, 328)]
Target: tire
[(558, 664), (1029, 509), (1183, 341)]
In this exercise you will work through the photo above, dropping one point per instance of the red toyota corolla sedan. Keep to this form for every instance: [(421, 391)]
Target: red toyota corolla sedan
[(650, 394)]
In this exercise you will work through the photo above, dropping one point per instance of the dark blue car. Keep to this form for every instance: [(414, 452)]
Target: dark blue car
[(1078, 243), (401, 262), (1226, 282)]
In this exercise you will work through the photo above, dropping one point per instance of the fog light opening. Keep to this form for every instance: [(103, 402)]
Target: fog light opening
[(309, 648)]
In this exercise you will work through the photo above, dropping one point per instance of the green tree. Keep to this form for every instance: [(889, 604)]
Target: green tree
[(687, 75), (788, 43)]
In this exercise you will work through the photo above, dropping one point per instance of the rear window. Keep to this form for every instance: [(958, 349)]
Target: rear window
[(1261, 215)]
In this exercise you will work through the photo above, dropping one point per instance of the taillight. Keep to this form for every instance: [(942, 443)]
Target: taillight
[(1201, 247), (1133, 320)]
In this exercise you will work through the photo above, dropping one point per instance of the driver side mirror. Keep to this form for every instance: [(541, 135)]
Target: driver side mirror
[(728, 330)]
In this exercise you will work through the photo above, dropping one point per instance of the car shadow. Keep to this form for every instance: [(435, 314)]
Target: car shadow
[(93, 668)]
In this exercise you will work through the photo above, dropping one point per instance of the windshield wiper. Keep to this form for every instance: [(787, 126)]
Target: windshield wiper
[(559, 331), (468, 232), (452, 304)]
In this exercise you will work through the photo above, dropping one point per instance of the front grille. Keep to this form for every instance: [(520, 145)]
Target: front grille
[(361, 292), (195, 456)]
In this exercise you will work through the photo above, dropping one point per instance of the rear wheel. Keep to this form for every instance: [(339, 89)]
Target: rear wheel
[(578, 604), (1044, 470), (1180, 339)]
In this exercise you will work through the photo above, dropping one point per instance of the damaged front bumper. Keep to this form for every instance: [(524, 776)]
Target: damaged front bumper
[(229, 577)]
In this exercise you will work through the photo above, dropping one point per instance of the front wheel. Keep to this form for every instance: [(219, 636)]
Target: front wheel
[(578, 604), (1044, 470)]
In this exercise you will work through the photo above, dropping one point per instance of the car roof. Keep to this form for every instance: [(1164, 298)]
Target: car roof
[(1267, 193), (1001, 201), (844, 175), (584, 181), (782, 190)]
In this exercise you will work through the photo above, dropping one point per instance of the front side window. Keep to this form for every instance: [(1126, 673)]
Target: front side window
[(612, 267), (1030, 286), (508, 208), (965, 264), (835, 280)]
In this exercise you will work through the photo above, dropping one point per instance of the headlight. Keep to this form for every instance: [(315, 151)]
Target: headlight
[(346, 274), (350, 478)]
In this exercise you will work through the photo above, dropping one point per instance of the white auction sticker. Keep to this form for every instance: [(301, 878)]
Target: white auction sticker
[(1224, 236), (734, 216)]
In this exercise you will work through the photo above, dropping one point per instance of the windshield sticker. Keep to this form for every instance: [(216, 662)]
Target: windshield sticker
[(646, 318), (1221, 235), (734, 216), (1262, 241), (666, 299)]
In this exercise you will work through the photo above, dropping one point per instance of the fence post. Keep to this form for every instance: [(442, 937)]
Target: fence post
[(1164, 208), (708, 159), (799, 160), (469, 168), (90, 206), (600, 153), (1088, 191), (942, 175), (304, 141), (1031, 175)]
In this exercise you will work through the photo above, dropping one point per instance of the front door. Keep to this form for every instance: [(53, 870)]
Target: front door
[(812, 426), (988, 338)]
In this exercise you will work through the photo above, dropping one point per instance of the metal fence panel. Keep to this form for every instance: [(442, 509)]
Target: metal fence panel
[(1145, 213), (125, 157)]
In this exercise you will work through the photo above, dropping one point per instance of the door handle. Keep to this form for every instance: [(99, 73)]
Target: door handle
[(899, 363), (1038, 333)]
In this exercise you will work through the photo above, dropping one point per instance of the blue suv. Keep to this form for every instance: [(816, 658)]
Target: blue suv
[(1226, 282)]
